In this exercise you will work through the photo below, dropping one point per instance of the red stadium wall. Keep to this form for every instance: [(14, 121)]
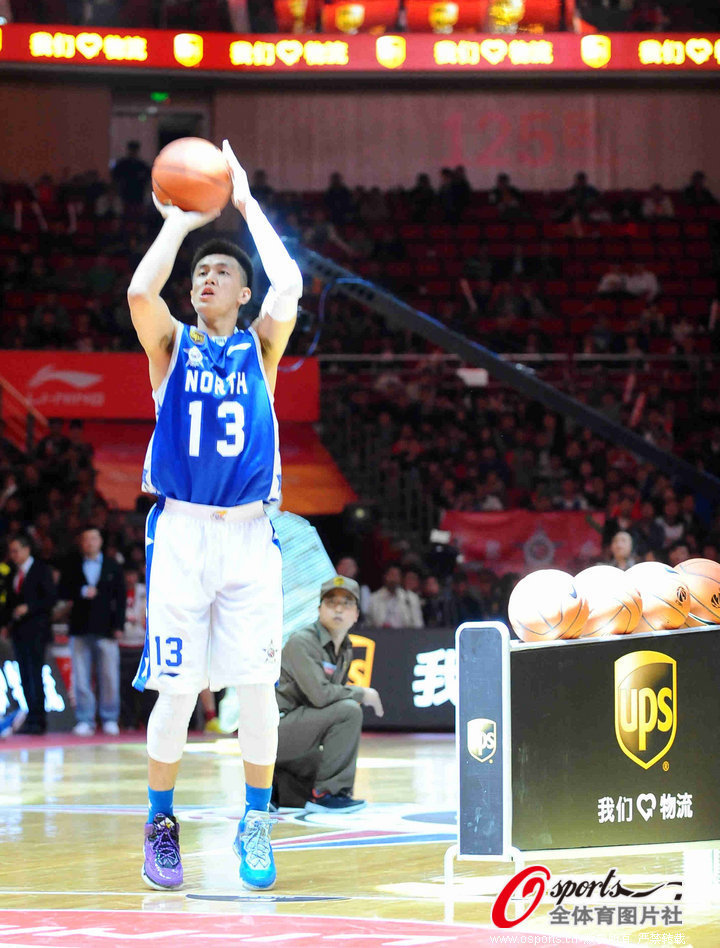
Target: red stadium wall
[(624, 137), (53, 125), (621, 138)]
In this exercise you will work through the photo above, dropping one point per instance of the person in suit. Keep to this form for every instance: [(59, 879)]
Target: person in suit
[(96, 587), (30, 600)]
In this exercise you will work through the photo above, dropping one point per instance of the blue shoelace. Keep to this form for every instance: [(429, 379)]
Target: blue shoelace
[(165, 844)]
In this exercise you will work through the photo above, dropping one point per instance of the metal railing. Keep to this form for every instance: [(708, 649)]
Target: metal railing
[(402, 507), (24, 424)]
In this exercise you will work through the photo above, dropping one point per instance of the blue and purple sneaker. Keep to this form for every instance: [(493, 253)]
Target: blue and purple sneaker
[(252, 846), (162, 868)]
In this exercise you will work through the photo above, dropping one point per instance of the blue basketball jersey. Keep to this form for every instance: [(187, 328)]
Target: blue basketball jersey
[(216, 436)]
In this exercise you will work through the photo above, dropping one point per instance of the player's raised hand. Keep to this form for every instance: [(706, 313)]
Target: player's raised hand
[(241, 186), (191, 220)]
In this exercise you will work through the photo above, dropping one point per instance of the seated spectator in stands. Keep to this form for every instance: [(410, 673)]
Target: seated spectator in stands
[(108, 204), (678, 553), (671, 523), (595, 492), (506, 197), (710, 551), (627, 207), (569, 496), (434, 604), (322, 232), (579, 197), (697, 193), (373, 207), (479, 265), (646, 532), (647, 16), (338, 199), (412, 580), (693, 524), (632, 344), (612, 283), (532, 305), (652, 320), (621, 550), (47, 334), (657, 205), (421, 198), (261, 190), (393, 607), (681, 329), (347, 566), (101, 277), (619, 518), (462, 189), (454, 193), (462, 605), (641, 282), (546, 266)]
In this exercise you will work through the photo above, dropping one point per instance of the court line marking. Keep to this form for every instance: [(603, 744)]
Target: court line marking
[(177, 895)]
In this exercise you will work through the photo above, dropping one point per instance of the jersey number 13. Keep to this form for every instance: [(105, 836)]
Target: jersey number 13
[(233, 414)]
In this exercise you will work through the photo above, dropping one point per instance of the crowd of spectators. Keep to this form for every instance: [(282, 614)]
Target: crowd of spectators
[(467, 449), (50, 494)]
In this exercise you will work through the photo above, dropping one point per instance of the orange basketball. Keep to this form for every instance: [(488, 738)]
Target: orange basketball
[(545, 605), (192, 174), (665, 596), (703, 582), (614, 603)]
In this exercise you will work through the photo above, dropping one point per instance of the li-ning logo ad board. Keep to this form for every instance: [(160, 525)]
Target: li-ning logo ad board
[(645, 705)]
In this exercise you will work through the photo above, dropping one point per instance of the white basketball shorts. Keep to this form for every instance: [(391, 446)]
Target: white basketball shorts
[(214, 598)]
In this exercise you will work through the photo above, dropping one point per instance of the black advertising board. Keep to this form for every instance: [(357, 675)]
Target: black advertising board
[(483, 738), (614, 741), (60, 716), (414, 671)]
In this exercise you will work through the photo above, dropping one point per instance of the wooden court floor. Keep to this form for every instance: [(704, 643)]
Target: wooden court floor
[(71, 821)]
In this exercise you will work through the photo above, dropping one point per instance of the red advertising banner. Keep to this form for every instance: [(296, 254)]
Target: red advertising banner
[(520, 541), (116, 385), (334, 53)]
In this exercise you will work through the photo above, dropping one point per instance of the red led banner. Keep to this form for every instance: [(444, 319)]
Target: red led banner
[(453, 53)]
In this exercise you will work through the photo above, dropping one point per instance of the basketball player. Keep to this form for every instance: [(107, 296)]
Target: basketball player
[(213, 563)]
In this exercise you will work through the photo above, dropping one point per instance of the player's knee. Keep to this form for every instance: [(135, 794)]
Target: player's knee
[(258, 723), (168, 726)]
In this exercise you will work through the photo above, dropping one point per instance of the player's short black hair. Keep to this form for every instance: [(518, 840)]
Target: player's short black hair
[(229, 249)]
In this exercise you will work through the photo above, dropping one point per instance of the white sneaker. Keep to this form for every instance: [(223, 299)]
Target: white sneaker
[(83, 729), (110, 727)]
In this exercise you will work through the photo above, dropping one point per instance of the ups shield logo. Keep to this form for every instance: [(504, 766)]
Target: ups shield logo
[(645, 705), (361, 667), (482, 738)]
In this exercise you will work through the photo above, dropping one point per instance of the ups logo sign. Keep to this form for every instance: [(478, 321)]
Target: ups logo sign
[(482, 738), (645, 705)]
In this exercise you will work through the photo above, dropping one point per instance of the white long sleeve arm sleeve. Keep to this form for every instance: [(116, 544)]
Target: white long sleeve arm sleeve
[(286, 283)]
